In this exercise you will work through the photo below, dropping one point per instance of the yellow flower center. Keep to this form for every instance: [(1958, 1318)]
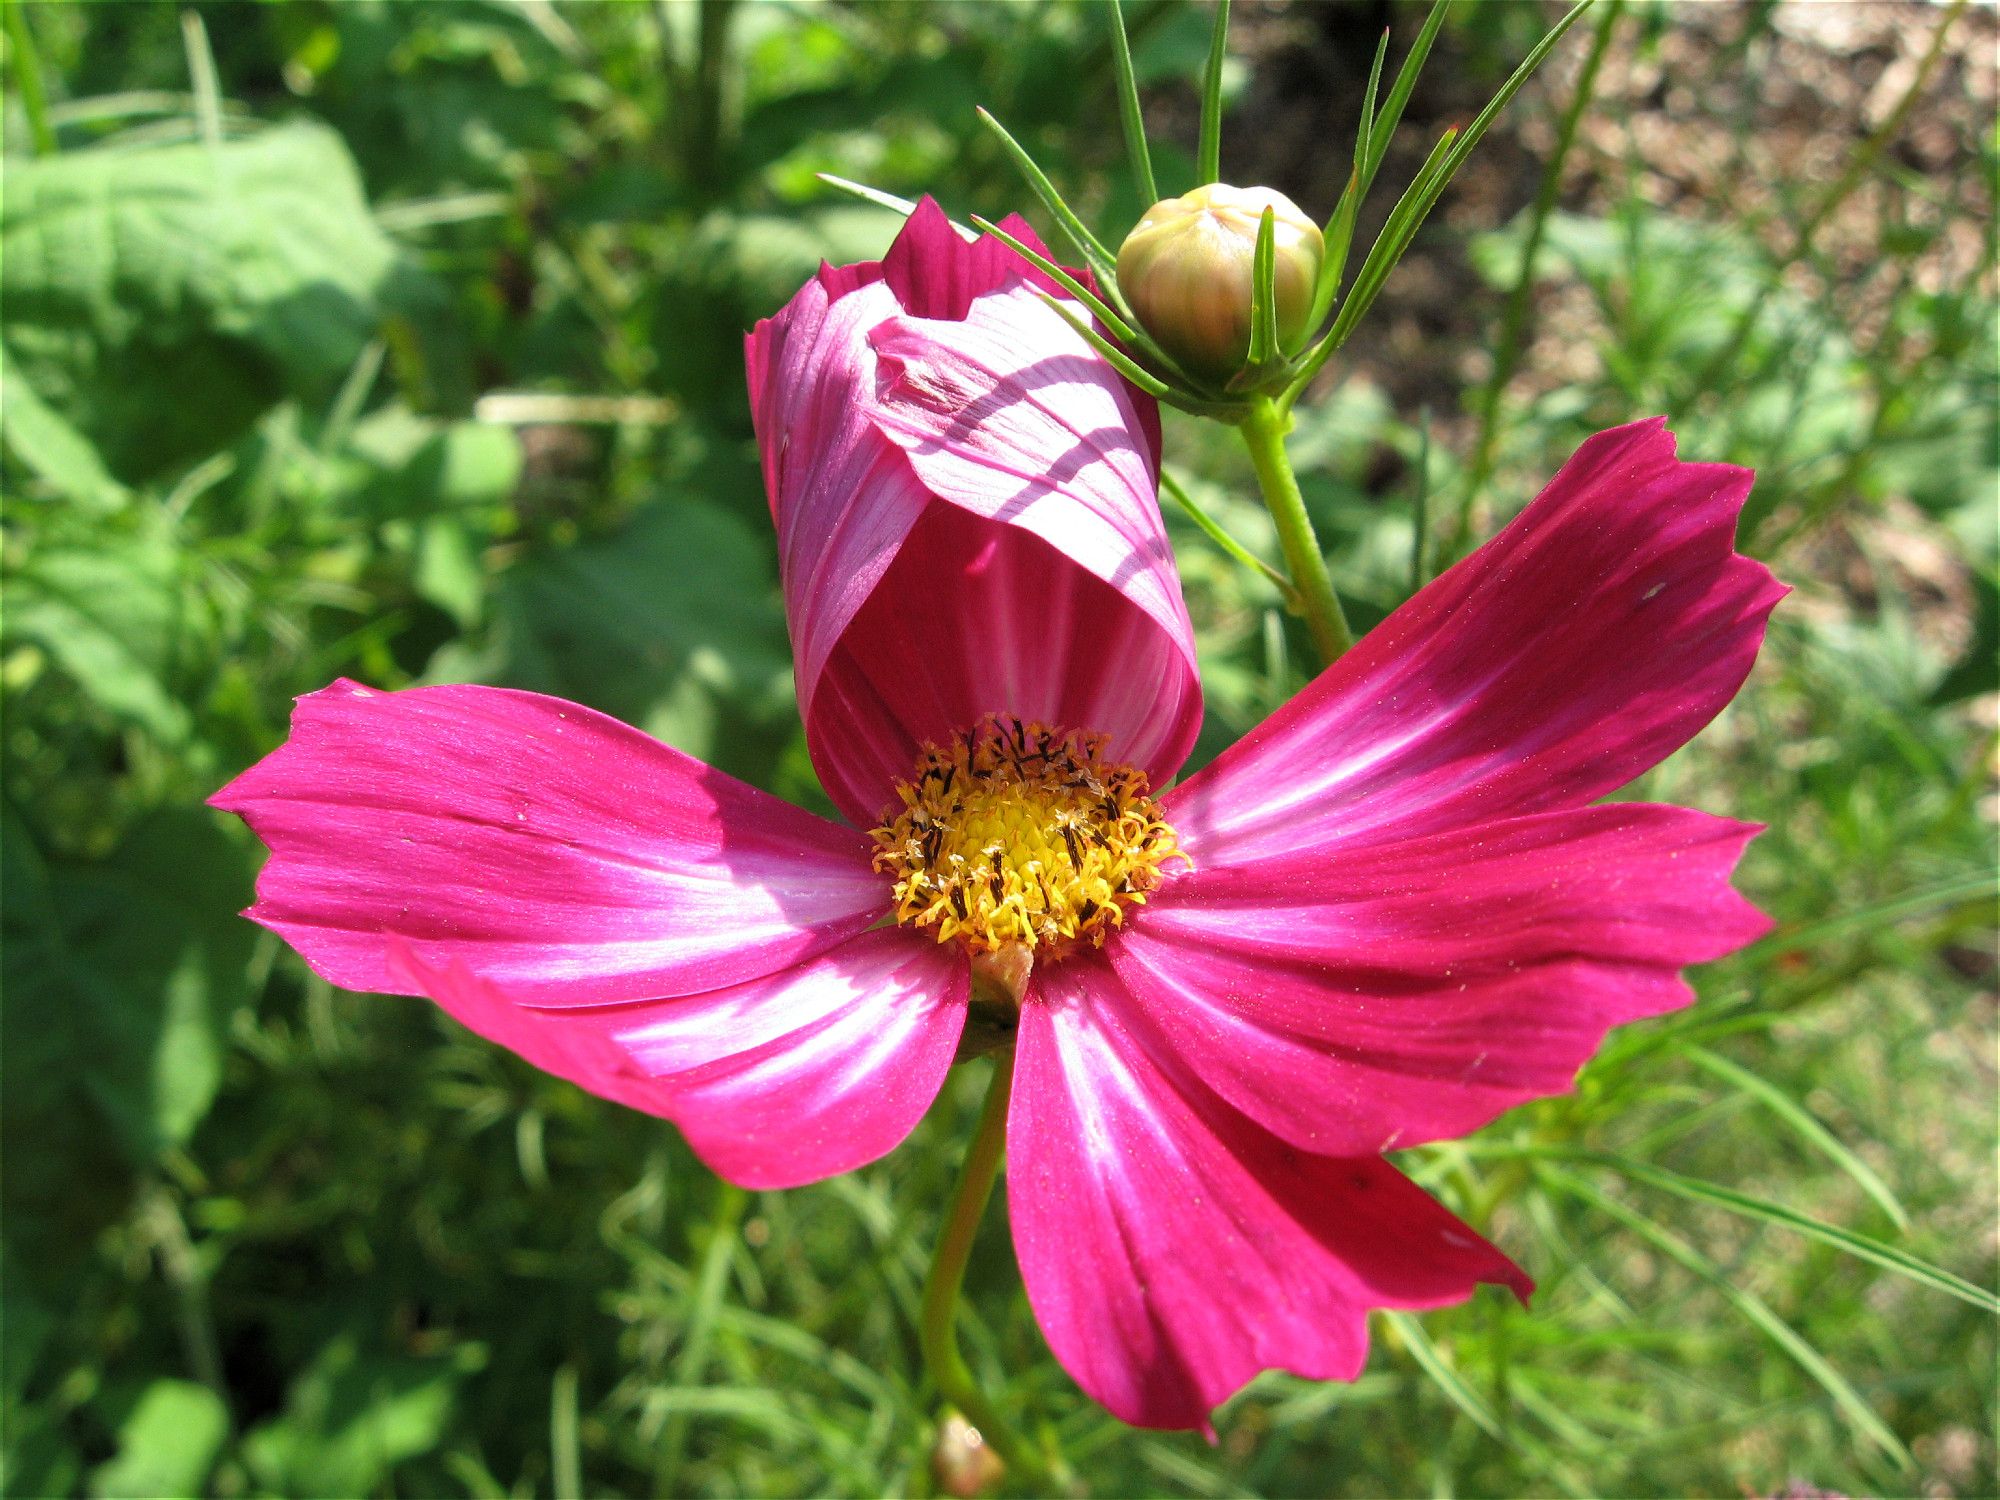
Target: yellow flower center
[(1017, 834)]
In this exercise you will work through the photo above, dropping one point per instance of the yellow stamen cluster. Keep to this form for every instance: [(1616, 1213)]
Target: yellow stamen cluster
[(1017, 833)]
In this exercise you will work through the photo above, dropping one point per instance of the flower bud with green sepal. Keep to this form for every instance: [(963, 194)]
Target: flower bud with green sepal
[(1188, 271)]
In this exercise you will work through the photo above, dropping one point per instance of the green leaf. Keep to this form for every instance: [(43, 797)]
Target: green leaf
[(1383, 126), (1130, 115), (1151, 384), (119, 977), (1263, 292), (1433, 1363), (672, 623), (352, 1417), (1208, 158), (167, 1446), (1422, 195), (160, 299), (1104, 313), (1094, 253), (42, 441), (119, 621)]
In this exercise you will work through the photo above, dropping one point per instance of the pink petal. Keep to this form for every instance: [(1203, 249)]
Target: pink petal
[(834, 420), (975, 617), (1009, 413), (1171, 1247), (547, 847), (797, 1076), (1594, 635), (1408, 992)]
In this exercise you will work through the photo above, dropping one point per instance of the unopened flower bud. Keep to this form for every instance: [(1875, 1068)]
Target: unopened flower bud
[(1187, 270)]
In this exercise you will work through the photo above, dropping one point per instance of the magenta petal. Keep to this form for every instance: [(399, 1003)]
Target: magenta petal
[(1008, 413), (798, 1076), (1172, 1248), (1594, 635), (1410, 992), (547, 847), (979, 617), (924, 587)]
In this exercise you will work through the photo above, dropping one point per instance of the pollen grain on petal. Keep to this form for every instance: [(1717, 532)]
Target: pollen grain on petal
[(1020, 833)]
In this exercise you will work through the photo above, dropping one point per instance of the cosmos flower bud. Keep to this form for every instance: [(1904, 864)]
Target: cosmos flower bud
[(1186, 269)]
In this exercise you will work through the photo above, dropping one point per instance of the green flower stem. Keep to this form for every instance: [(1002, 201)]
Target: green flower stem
[(961, 1225), (1264, 429)]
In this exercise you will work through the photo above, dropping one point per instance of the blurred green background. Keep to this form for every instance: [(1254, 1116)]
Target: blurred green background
[(402, 340)]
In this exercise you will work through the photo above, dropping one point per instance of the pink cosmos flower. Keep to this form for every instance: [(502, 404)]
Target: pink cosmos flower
[(1387, 915)]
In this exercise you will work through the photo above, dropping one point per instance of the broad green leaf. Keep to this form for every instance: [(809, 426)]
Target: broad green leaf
[(159, 299), (353, 1416), (38, 438), (167, 1446), (672, 624), (119, 976), (118, 619)]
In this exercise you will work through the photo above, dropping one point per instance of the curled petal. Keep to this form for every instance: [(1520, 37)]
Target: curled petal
[(905, 588), (545, 846), (1173, 1248), (977, 617), (788, 1079), (1400, 993), (1593, 636)]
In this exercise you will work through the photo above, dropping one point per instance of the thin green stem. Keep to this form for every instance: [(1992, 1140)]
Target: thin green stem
[(1264, 430), (1514, 321), (28, 79), (936, 1330), (1215, 532)]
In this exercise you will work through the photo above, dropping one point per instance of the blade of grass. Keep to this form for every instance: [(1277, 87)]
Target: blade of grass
[(1130, 114), (1805, 1124), (27, 69), (723, 1233), (1751, 1306), (1867, 919), (1208, 157), (1860, 1246), (202, 78), (1432, 1362), (565, 1461), (1087, 244)]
